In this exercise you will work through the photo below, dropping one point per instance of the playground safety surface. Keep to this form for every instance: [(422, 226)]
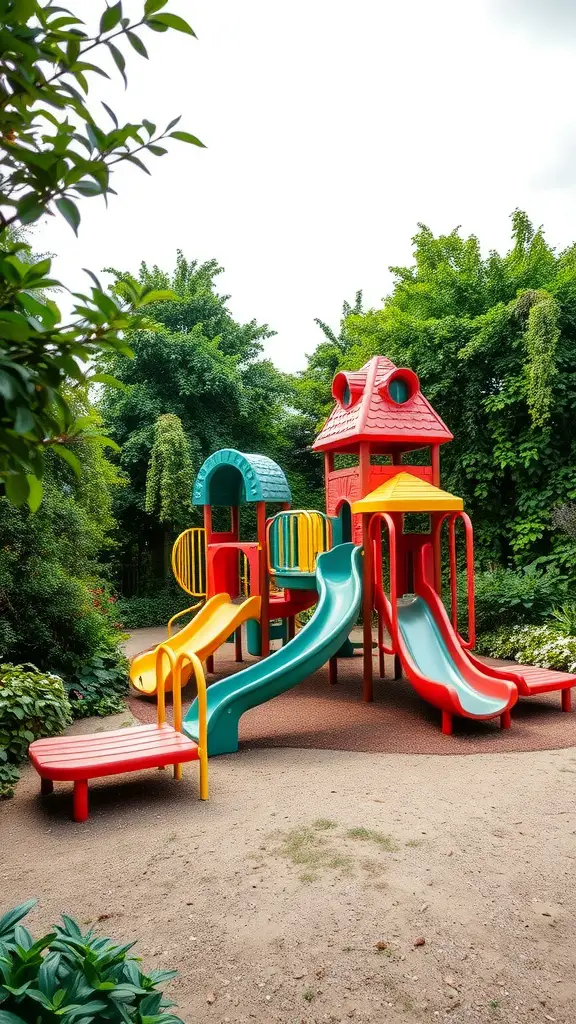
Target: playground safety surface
[(318, 716)]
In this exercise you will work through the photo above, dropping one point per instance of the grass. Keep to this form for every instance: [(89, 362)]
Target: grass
[(323, 824), (308, 994), (494, 1005), (373, 836), (304, 848), (414, 842)]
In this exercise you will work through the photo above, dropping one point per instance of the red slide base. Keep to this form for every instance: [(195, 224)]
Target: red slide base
[(446, 723)]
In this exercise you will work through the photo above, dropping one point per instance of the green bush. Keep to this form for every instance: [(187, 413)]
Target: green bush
[(510, 597), (33, 704), (74, 978), (546, 646), (152, 610), (100, 686)]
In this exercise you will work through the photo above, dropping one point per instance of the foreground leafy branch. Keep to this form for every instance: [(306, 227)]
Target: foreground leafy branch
[(55, 150)]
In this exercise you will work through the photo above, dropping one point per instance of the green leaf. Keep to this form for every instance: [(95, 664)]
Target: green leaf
[(137, 44), (119, 61), (17, 489), (69, 211), (110, 18), (187, 137), (12, 917), (151, 6), (172, 21), (156, 150), (10, 1018), (24, 420), (68, 457), (135, 160), (30, 209), (107, 378), (35, 492), (110, 113)]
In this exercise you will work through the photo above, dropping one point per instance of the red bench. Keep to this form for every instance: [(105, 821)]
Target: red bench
[(80, 758)]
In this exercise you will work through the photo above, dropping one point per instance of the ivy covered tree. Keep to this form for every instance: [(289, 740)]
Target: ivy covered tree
[(58, 145), (170, 473), (201, 368), (493, 340)]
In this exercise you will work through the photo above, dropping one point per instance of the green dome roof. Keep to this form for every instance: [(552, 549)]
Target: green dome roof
[(229, 477)]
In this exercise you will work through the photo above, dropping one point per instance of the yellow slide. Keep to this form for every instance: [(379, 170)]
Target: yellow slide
[(210, 628)]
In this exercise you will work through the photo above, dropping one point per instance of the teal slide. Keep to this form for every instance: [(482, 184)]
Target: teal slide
[(339, 582), (479, 696)]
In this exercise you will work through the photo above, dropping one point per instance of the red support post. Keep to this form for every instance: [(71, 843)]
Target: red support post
[(446, 723), (333, 670), (505, 720), (367, 603), (436, 534), (238, 644), (381, 659), (264, 581)]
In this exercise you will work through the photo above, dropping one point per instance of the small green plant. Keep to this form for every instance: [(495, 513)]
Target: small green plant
[(565, 617), (74, 977), (323, 824), (33, 704), (100, 686), (512, 597), (308, 994), (372, 835)]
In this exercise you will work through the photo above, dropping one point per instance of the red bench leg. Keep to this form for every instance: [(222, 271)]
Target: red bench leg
[(46, 786), (567, 700), (81, 800), (505, 720)]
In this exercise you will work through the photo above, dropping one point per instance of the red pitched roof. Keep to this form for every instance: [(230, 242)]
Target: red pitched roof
[(365, 410)]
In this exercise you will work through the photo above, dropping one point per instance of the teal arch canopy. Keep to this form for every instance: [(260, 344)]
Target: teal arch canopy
[(229, 477)]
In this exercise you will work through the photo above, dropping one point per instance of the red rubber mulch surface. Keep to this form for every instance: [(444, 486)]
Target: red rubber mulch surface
[(316, 715)]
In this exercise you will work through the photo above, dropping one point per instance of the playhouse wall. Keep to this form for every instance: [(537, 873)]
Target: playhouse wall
[(344, 485)]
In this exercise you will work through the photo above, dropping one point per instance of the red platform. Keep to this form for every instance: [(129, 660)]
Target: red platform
[(79, 758)]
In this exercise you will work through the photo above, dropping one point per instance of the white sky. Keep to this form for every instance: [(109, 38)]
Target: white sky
[(332, 128)]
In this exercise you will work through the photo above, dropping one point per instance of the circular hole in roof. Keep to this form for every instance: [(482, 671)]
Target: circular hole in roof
[(401, 387), (346, 398), (399, 391)]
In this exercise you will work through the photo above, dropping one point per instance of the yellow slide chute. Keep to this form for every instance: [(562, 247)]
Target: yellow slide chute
[(210, 628)]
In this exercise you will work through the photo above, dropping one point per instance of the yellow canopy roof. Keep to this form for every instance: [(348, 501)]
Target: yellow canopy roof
[(407, 493)]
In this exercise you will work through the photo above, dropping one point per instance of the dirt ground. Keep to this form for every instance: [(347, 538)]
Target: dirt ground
[(322, 886)]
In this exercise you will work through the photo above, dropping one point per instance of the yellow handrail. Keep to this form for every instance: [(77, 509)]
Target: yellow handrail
[(189, 561), (176, 666), (185, 611), (202, 714)]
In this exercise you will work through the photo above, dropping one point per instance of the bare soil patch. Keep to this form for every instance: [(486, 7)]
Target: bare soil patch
[(323, 886)]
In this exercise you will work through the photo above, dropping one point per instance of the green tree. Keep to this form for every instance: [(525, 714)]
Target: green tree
[(493, 340), (54, 150), (170, 473), (55, 608), (201, 367)]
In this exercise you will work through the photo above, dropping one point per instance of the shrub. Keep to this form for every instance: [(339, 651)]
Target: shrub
[(546, 646), (152, 610), (100, 685), (32, 704), (565, 619), (74, 977), (513, 596)]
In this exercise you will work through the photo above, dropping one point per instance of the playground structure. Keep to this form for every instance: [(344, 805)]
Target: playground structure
[(377, 549)]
